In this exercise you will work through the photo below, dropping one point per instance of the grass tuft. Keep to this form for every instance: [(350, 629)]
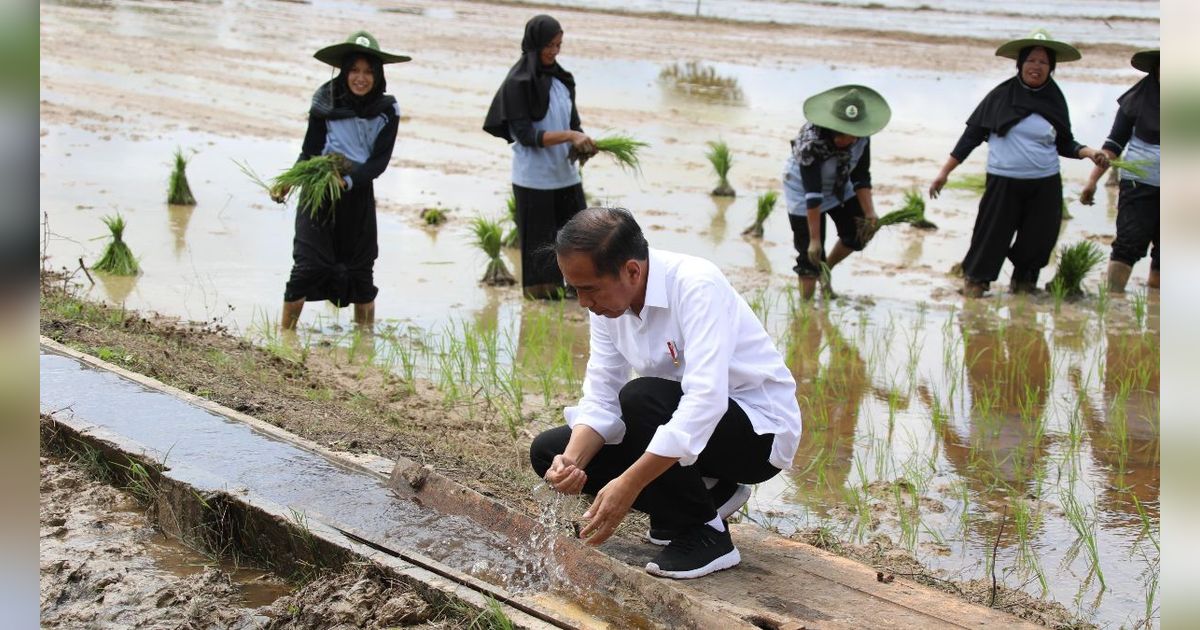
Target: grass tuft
[(117, 259), (766, 204), (721, 159), (178, 191), (1075, 262), (488, 239)]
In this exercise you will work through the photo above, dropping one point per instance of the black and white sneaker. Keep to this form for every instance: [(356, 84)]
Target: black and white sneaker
[(695, 552), (729, 497)]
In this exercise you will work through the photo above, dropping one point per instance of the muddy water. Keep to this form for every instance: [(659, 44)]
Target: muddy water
[(112, 116)]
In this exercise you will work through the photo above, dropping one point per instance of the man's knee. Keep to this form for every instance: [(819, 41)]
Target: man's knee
[(647, 394)]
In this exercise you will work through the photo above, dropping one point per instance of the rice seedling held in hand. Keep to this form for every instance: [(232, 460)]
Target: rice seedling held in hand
[(975, 182), (117, 259), (766, 203), (622, 148), (318, 180), (512, 238), (1137, 168), (487, 238), (1075, 262), (178, 191), (721, 159), (912, 212)]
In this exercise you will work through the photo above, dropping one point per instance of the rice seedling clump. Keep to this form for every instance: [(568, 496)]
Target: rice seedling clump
[(766, 204), (1075, 262), (488, 239), (912, 213), (701, 79), (721, 159), (622, 148), (178, 191), (117, 259), (434, 216)]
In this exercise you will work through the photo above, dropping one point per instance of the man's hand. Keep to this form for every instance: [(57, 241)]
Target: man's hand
[(608, 510), (565, 476)]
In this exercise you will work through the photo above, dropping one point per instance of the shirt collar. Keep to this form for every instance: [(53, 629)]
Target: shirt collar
[(656, 281)]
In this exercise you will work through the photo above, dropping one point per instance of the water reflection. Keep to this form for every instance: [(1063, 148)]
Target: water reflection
[(179, 217), (831, 381), (761, 261), (717, 225), (116, 289)]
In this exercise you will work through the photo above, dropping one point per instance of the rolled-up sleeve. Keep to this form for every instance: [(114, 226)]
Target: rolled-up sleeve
[(708, 334), (607, 373)]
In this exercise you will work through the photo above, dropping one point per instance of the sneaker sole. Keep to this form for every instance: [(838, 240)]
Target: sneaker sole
[(726, 561), (740, 497)]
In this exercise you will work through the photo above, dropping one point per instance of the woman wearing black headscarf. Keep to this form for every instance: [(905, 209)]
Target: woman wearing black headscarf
[(534, 110), (1135, 132), (334, 255), (1027, 126)]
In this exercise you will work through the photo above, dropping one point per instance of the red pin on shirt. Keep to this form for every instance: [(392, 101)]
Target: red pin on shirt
[(674, 353)]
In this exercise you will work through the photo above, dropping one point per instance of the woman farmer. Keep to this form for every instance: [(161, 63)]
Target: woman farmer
[(334, 254), (1027, 126), (1134, 131), (534, 110), (829, 172)]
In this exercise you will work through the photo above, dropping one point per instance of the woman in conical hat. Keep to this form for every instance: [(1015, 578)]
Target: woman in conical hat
[(1027, 126), (829, 172), (334, 254), (534, 110), (1134, 132)]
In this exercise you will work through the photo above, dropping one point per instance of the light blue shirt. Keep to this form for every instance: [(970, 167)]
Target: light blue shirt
[(793, 188), (354, 138), (1139, 150), (547, 168), (1027, 151)]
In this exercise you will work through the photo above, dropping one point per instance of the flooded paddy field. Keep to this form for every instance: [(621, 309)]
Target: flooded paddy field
[(1012, 436)]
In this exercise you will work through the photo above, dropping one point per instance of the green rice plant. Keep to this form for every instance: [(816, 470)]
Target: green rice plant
[(912, 213), (1140, 304), (1137, 168), (488, 239), (701, 79), (512, 238), (117, 259), (622, 148), (1075, 262), (721, 159), (317, 180), (974, 182), (766, 204), (178, 191), (434, 216)]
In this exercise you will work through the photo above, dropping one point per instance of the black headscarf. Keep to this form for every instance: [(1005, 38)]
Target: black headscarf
[(1012, 100), (814, 144), (525, 92), (334, 100), (1140, 103)]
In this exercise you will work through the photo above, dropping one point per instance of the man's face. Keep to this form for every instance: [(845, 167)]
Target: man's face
[(606, 295)]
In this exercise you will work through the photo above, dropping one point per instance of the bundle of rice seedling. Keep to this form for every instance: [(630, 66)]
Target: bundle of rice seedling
[(624, 149), (975, 182), (117, 258), (1137, 168), (1075, 262), (318, 180), (434, 216), (512, 238), (487, 238), (178, 191), (766, 203), (701, 79), (912, 212), (721, 159)]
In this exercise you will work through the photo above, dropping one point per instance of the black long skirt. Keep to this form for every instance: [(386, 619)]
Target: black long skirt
[(540, 215), (333, 257), (1018, 219)]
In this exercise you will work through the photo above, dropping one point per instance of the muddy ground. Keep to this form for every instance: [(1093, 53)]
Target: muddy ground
[(351, 408)]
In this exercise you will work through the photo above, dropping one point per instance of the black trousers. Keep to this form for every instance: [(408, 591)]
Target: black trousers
[(844, 219), (1137, 223), (540, 215), (678, 497), (1031, 209)]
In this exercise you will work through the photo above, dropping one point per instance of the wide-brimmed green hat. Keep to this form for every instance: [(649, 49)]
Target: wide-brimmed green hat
[(1145, 60), (1039, 37), (360, 42), (852, 109)]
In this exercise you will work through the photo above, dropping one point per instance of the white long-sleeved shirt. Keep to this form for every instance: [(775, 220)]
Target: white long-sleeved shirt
[(723, 353)]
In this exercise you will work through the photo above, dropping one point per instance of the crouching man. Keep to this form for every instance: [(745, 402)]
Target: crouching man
[(712, 411)]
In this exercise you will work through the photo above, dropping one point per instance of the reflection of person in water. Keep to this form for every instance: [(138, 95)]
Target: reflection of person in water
[(1123, 426), (826, 453), (1008, 377)]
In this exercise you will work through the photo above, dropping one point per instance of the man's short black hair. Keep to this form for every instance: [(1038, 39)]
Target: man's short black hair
[(609, 235)]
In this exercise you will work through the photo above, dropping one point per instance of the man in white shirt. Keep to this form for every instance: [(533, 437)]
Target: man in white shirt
[(714, 406)]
